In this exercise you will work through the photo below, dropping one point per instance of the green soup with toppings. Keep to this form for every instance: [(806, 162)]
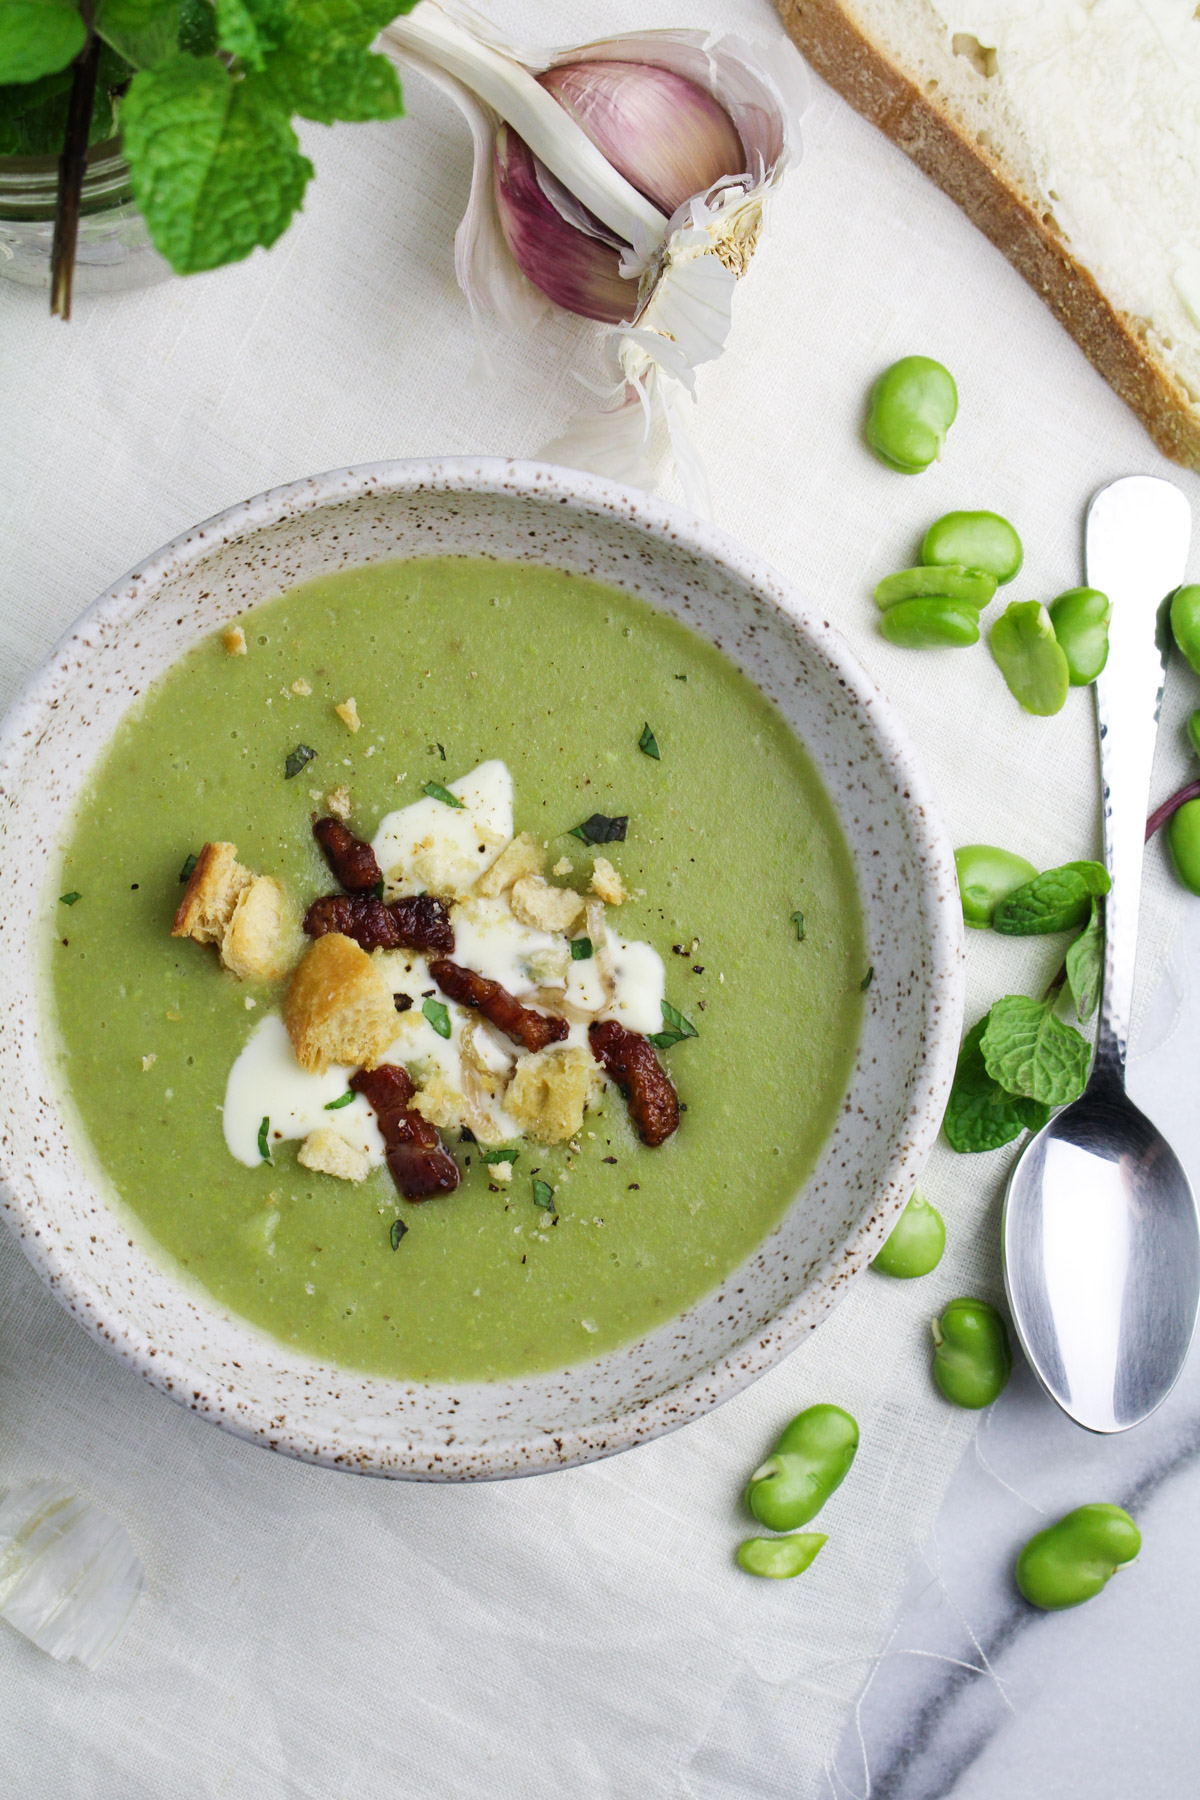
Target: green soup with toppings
[(453, 663)]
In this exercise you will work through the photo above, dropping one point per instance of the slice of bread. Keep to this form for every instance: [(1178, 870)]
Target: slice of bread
[(1071, 137)]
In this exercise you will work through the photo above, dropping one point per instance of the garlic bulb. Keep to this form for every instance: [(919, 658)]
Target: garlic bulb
[(625, 180), (69, 1576)]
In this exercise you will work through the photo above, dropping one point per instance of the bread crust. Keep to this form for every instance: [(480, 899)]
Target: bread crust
[(339, 1009), (865, 76)]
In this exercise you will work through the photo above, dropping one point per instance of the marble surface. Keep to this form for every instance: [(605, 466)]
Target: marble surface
[(977, 1696)]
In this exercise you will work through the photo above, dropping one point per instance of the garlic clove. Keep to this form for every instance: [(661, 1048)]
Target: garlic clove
[(665, 134), (574, 263)]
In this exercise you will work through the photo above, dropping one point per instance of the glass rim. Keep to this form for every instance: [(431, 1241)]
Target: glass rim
[(107, 150)]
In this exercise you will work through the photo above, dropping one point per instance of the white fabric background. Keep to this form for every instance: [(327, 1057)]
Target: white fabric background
[(307, 1633)]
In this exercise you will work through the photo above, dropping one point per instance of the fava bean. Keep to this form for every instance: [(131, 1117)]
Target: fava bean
[(917, 1241), (809, 1461), (912, 407), (1193, 731), (1185, 623), (1080, 619), (927, 624), (971, 1357), (1071, 1561), (1183, 841), (986, 876), (981, 541), (780, 1558), (1030, 657), (951, 582)]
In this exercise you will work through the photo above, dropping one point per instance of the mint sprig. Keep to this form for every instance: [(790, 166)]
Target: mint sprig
[(206, 124)]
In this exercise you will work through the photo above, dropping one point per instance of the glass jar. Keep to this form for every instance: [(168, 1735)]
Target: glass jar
[(114, 249)]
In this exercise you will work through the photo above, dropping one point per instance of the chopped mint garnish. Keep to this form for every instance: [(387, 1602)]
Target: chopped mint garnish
[(69, 899), (798, 922), (380, 888), (600, 829), (297, 759), (581, 949), (185, 874), (264, 1148), (342, 1100), (441, 752), (648, 743), (543, 1195), (500, 1155), (437, 1015), (436, 791), (677, 1028), (867, 979), (396, 1233)]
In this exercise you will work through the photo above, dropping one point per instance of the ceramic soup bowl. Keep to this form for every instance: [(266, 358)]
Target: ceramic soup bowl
[(526, 512)]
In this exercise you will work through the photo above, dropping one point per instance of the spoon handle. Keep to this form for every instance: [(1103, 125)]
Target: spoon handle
[(1137, 535)]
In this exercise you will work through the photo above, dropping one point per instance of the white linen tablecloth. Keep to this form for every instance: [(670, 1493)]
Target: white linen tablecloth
[(584, 1634)]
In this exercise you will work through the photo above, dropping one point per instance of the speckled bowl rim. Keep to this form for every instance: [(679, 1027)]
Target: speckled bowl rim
[(169, 1370)]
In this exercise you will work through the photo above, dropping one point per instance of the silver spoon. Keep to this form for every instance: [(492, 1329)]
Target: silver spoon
[(1100, 1234)]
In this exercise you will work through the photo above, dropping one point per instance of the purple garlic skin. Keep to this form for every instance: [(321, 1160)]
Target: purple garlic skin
[(578, 272), (669, 138)]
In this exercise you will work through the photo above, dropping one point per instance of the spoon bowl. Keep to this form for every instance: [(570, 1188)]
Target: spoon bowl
[(1100, 1236), (1102, 1260)]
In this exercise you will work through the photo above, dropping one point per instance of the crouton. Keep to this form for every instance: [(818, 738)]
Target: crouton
[(441, 1104), (246, 915), (549, 1091), (330, 1154), (262, 940), (520, 858), (547, 908), (234, 641), (339, 1008), (347, 712), (211, 894), (607, 883)]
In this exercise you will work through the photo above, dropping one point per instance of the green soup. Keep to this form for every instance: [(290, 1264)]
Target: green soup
[(453, 661)]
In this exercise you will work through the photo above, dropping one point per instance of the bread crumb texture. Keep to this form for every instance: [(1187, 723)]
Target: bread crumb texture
[(338, 802), (546, 908), (339, 1009), (234, 641), (347, 712), (246, 915), (519, 860), (550, 1090), (607, 883), (328, 1153)]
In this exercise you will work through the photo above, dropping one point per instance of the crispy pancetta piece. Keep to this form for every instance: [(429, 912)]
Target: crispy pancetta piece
[(420, 923), (628, 1058), (417, 1160), (531, 1030), (352, 861)]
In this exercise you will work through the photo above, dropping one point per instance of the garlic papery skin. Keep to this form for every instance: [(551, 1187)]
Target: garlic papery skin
[(669, 137), (576, 264), (69, 1576), (686, 266)]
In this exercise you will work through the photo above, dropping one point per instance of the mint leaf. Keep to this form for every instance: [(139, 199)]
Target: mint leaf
[(323, 68), (297, 759), (197, 27), (214, 163), (499, 1155), (582, 949), (980, 1115), (1032, 1054), (600, 829), (1055, 900), (648, 743), (242, 34), (264, 1147), (677, 1028), (144, 32), (1085, 963), (436, 791), (336, 1105), (38, 37), (798, 922), (399, 1230), (543, 1195), (438, 1016)]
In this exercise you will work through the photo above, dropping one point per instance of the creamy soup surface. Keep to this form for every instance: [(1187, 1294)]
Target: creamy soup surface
[(460, 668)]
